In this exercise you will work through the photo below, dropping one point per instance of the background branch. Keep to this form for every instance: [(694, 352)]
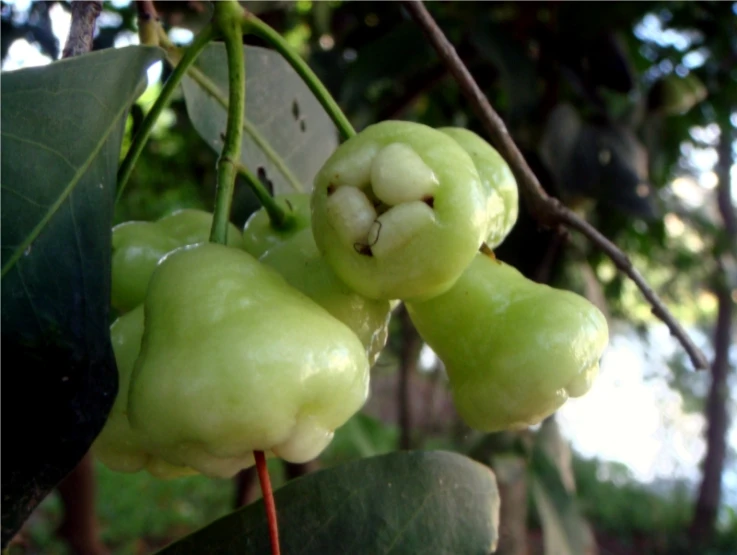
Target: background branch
[(146, 10), (547, 210), (703, 524), (82, 28), (409, 353)]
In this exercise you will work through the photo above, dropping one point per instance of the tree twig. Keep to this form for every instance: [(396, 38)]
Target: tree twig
[(146, 9), (148, 22), (82, 28), (548, 211)]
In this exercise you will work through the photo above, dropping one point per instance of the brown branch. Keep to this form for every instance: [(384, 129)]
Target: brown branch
[(148, 22), (146, 10), (548, 211), (82, 28), (702, 527)]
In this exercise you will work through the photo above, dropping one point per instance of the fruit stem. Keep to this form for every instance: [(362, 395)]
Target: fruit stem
[(228, 17), (163, 100), (485, 249), (278, 217), (268, 494), (254, 26)]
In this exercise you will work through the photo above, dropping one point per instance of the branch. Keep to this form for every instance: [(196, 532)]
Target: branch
[(547, 210), (724, 190), (162, 101), (148, 22), (146, 10), (82, 29), (702, 527), (253, 25)]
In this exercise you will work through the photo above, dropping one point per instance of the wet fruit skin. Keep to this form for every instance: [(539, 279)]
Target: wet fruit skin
[(118, 446), (496, 177), (301, 264), (233, 359), (293, 253), (138, 246), (514, 350), (399, 211), (258, 233)]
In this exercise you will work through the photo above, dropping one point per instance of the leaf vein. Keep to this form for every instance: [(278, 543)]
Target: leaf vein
[(65, 193), (39, 145)]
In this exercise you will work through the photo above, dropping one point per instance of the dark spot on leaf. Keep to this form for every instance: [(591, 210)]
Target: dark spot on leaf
[(222, 135), (302, 125), (264, 179), (363, 249), (331, 189), (295, 109), (430, 201)]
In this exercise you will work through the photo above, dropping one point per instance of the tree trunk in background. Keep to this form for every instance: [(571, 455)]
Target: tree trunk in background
[(511, 477), (409, 354), (707, 505)]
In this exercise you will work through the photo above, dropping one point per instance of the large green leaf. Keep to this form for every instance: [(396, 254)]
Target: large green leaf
[(62, 127), (403, 502), (286, 130)]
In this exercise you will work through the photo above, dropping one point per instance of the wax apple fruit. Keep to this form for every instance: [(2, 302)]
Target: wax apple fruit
[(233, 359), (258, 233), (299, 261), (117, 445), (138, 246), (514, 350), (399, 211), (496, 177)]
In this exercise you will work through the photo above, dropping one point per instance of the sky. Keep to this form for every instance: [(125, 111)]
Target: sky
[(630, 415)]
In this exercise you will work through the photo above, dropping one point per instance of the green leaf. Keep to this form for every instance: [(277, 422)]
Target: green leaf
[(286, 130), (403, 502), (62, 126)]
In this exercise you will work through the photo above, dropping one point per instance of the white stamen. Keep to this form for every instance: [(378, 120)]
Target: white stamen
[(399, 225), (398, 175), (351, 213)]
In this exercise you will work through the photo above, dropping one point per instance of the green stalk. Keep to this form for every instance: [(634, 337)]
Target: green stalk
[(253, 25), (139, 141), (211, 88), (278, 217), (228, 17)]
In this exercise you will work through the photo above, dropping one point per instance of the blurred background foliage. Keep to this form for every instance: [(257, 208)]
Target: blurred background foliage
[(625, 111)]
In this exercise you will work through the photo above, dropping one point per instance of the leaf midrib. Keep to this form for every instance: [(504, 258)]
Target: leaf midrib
[(53, 209)]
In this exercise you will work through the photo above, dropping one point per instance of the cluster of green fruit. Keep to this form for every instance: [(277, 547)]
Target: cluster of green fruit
[(266, 343)]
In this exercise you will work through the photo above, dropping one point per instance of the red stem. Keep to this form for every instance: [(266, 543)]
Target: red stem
[(263, 477)]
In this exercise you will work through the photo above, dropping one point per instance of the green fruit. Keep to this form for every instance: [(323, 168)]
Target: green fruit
[(258, 233), (300, 263), (117, 445), (399, 211), (233, 360), (514, 350), (138, 247), (497, 178)]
